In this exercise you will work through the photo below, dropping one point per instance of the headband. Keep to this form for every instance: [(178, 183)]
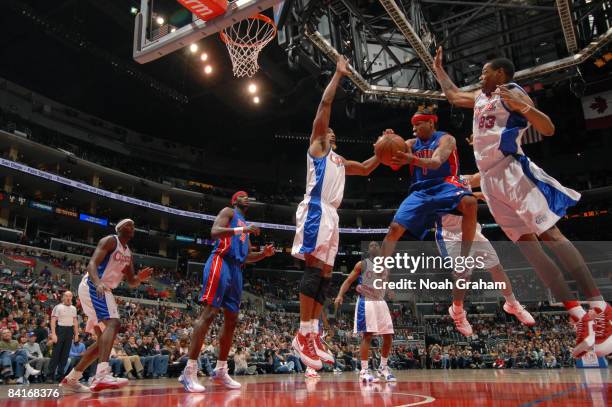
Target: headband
[(419, 117), (122, 223), (236, 195)]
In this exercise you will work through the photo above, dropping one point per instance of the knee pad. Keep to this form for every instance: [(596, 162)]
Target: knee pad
[(323, 290), (311, 280)]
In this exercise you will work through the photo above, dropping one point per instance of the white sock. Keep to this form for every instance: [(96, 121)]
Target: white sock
[(511, 299), (314, 326), (364, 365), (102, 368), (600, 304), (305, 327), (192, 363), (457, 308), (383, 362), (577, 312), (221, 364)]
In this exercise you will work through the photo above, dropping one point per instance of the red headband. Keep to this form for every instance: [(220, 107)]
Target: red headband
[(419, 117), (236, 195)]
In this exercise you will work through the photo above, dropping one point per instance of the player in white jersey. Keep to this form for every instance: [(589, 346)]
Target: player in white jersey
[(317, 230), (524, 200), (448, 240), (372, 316), (109, 265)]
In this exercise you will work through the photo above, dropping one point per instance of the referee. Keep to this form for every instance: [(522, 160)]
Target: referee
[(64, 328)]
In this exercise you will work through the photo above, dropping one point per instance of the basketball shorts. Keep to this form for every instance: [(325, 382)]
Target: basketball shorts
[(317, 232), (481, 247), (523, 198), (372, 316), (97, 309), (420, 210), (222, 283)]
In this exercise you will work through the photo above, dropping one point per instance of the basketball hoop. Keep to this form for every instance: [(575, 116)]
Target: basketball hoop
[(245, 40)]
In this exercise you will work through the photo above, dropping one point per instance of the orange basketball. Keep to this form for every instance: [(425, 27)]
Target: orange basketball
[(387, 145)]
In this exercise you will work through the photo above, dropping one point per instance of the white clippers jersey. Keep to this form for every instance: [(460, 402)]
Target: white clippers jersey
[(325, 179), (367, 279), (110, 270), (497, 130)]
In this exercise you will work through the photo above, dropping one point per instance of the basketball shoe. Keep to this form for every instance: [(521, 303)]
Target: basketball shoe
[(461, 322), (520, 313), (304, 346), (603, 330), (105, 380), (189, 380), (72, 384), (322, 352), (585, 335), (221, 376), (386, 374)]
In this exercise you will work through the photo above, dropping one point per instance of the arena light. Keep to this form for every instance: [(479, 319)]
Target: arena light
[(607, 56), (204, 56), (208, 69), (252, 88), (134, 11), (193, 48), (160, 20), (600, 63), (256, 100)]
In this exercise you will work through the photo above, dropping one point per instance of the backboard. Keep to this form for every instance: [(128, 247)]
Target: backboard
[(158, 31)]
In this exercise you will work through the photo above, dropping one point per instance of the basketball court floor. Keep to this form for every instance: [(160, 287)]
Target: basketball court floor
[(525, 388)]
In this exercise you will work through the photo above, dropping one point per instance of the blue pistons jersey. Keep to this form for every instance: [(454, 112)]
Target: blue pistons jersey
[(424, 177), (235, 247)]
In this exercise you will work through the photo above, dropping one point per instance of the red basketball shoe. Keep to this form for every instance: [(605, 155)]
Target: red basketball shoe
[(304, 346)]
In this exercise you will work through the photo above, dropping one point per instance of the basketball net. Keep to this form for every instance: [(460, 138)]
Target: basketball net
[(245, 40)]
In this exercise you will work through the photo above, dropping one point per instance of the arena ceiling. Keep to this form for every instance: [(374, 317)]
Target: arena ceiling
[(79, 52)]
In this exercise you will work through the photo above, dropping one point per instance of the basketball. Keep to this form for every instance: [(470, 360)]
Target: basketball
[(387, 145)]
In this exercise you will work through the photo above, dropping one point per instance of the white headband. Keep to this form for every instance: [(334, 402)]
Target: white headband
[(122, 223)]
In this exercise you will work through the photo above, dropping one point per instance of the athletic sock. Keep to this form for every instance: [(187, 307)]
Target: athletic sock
[(457, 307), (314, 326), (383, 362), (102, 368), (574, 309), (599, 304), (511, 299), (364, 365), (191, 363), (305, 327), (221, 364)]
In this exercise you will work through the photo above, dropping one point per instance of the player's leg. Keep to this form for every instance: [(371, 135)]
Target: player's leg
[(364, 352), (303, 342), (572, 261), (215, 276), (553, 279), (383, 369), (103, 378), (231, 308), (468, 206), (322, 294), (512, 305)]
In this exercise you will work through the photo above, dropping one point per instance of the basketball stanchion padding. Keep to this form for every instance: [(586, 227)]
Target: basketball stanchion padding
[(205, 9), (245, 40)]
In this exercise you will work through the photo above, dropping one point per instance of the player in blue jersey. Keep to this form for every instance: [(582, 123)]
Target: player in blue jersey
[(222, 288), (436, 188)]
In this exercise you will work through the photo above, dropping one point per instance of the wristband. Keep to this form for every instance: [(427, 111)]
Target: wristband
[(525, 109), (238, 230)]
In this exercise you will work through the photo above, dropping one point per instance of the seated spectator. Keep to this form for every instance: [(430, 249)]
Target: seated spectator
[(154, 362), (241, 365), (131, 364), (35, 355), (14, 361)]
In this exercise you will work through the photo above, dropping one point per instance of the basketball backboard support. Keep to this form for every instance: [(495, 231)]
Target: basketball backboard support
[(167, 39)]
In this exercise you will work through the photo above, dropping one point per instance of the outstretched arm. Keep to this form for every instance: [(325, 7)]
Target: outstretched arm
[(321, 121), (520, 102), (452, 92), (363, 169), (254, 257), (439, 157), (347, 283)]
